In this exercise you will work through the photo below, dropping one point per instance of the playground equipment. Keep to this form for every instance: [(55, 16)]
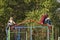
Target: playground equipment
[(17, 32)]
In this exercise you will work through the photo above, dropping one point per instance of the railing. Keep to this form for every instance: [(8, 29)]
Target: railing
[(31, 32)]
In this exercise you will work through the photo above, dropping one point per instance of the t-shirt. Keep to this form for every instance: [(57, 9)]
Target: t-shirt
[(10, 22), (47, 21)]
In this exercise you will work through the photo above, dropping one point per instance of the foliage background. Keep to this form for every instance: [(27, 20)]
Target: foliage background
[(27, 9)]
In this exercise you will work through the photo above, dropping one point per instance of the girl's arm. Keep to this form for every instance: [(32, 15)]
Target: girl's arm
[(14, 22), (31, 20), (24, 22)]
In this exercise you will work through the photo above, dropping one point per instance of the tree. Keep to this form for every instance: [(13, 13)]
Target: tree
[(27, 9)]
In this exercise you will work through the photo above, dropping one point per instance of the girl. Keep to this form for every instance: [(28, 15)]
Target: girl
[(10, 23)]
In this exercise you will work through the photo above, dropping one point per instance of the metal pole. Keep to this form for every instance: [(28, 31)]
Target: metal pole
[(8, 34), (52, 33), (47, 33), (26, 35), (18, 37), (31, 33)]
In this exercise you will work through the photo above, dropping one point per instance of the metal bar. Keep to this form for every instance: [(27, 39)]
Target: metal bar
[(8, 34), (31, 33), (52, 33), (18, 32), (26, 35), (47, 33), (18, 37), (30, 27)]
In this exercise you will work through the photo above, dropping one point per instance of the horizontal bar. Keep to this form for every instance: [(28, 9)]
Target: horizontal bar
[(19, 27), (17, 32)]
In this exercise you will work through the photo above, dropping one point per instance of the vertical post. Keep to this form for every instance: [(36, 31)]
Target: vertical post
[(8, 34), (30, 33), (18, 37), (52, 33), (47, 33), (26, 35)]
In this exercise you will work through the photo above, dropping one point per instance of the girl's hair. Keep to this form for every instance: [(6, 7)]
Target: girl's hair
[(11, 17), (46, 15)]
